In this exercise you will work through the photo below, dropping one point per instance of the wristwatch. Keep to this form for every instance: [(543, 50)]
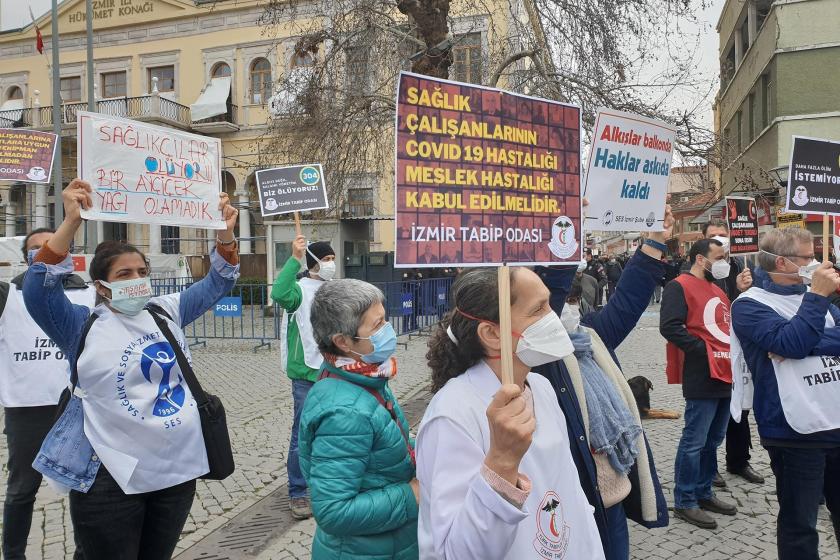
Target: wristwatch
[(657, 245)]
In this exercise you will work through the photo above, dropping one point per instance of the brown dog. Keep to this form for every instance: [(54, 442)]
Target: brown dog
[(641, 387)]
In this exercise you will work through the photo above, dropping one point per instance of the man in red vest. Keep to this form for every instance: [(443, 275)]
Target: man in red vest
[(694, 319)]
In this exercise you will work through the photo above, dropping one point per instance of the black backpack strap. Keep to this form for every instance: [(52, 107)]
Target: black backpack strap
[(158, 315), (74, 370), (4, 295)]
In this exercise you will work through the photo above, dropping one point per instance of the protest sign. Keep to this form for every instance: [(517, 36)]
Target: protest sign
[(836, 238), (789, 220), (628, 171), (742, 222), (292, 188), (141, 173), (484, 177), (814, 176), (26, 155)]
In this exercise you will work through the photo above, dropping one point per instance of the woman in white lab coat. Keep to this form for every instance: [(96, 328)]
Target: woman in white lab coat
[(497, 479)]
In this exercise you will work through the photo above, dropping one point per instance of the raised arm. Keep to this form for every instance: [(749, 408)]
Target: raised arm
[(286, 291), (224, 270), (43, 290)]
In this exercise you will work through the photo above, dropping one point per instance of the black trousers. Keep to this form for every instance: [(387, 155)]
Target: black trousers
[(738, 443), (25, 429), (113, 525)]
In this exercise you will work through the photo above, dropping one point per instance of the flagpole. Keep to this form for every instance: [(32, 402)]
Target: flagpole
[(93, 235), (58, 183)]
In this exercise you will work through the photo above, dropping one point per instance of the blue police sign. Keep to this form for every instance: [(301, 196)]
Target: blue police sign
[(407, 304), (228, 307)]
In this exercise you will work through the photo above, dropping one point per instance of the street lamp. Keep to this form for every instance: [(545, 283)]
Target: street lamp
[(780, 174)]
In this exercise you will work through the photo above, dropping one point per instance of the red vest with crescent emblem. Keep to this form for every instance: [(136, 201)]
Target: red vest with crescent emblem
[(708, 320)]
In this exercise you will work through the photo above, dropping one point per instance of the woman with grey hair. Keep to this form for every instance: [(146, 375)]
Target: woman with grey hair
[(355, 450)]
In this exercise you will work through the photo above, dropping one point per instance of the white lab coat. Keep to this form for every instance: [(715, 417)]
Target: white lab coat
[(462, 517)]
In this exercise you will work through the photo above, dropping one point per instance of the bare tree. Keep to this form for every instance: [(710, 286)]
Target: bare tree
[(337, 105)]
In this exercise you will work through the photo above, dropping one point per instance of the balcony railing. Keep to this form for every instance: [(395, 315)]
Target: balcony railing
[(228, 116), (148, 107)]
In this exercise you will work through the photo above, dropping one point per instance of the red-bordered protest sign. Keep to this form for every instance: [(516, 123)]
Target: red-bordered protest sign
[(484, 177), (742, 222)]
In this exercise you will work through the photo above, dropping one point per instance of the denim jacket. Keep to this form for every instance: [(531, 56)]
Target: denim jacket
[(66, 455)]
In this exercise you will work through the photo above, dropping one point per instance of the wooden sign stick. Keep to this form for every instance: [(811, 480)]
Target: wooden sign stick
[(297, 224), (825, 238), (504, 325)]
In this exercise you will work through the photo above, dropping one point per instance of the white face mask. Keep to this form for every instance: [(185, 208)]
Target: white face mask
[(326, 270), (723, 241), (805, 272), (543, 342), (720, 269), (570, 317)]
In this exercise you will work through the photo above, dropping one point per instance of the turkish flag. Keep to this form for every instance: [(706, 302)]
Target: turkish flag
[(39, 44)]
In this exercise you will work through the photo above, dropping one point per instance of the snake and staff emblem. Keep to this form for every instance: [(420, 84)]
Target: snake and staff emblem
[(563, 243), (553, 533)]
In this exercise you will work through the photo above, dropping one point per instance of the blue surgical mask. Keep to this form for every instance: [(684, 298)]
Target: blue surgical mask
[(384, 343), (130, 296)]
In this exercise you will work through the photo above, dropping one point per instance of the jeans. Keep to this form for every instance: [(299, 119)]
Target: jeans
[(619, 535), (738, 443), (25, 429), (297, 484), (803, 476), (696, 462), (113, 525)]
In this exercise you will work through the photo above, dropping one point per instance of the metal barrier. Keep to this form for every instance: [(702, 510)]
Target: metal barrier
[(248, 313)]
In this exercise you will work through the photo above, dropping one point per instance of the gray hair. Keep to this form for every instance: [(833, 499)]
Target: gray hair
[(338, 308), (783, 243)]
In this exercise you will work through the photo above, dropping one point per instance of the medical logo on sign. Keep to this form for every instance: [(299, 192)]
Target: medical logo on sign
[(157, 363)]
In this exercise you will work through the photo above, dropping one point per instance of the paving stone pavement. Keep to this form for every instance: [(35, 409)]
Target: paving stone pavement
[(258, 402)]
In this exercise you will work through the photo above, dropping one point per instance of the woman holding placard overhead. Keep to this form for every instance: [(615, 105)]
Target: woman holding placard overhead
[(131, 441), (497, 478)]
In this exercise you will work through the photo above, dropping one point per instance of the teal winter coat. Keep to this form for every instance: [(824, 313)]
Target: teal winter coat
[(355, 461)]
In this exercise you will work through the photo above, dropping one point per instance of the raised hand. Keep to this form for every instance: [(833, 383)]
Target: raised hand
[(76, 197), (512, 427)]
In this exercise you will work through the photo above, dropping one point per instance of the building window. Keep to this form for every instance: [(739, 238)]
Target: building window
[(220, 70), (115, 231), (114, 84), (14, 93), (359, 69), (170, 240), (260, 81), (727, 67), (753, 118), (762, 10), (71, 89), (466, 56), (739, 131), (766, 100), (165, 76), (745, 37), (360, 202)]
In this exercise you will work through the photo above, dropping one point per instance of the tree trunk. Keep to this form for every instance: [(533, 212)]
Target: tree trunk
[(430, 16)]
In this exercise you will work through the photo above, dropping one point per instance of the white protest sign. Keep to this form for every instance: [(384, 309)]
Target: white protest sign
[(627, 173), (146, 174)]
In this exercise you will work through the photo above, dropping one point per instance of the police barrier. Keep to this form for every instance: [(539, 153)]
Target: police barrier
[(248, 313)]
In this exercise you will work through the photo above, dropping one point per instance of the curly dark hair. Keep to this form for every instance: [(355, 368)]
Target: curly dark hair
[(475, 292)]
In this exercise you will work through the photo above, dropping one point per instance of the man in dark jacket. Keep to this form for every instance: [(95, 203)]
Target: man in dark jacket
[(613, 323), (738, 438), (614, 270), (790, 341), (596, 270), (693, 320)]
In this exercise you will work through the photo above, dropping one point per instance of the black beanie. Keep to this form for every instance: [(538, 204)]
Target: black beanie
[(320, 249)]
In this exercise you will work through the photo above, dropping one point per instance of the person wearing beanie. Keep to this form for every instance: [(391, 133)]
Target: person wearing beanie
[(299, 352)]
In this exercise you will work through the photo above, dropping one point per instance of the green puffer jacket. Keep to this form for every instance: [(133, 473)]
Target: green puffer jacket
[(354, 458)]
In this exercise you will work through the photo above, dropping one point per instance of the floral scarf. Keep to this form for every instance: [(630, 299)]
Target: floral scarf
[(387, 369)]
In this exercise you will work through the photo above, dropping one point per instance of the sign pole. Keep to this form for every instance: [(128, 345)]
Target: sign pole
[(825, 238), (504, 325), (297, 224)]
